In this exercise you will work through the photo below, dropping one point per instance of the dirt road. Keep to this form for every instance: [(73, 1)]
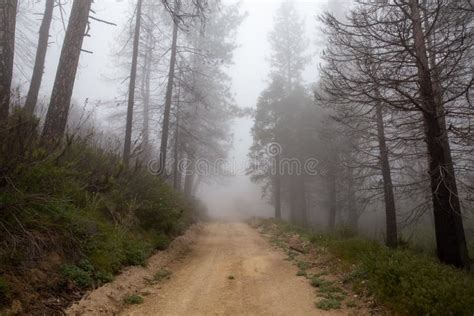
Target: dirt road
[(231, 270)]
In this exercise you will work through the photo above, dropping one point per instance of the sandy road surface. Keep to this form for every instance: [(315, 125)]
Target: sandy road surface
[(264, 283)]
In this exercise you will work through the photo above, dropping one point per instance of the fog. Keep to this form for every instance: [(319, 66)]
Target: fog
[(236, 196), (331, 114)]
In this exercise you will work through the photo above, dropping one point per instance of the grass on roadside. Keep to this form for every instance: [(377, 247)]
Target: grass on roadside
[(133, 299), (406, 281), (162, 274)]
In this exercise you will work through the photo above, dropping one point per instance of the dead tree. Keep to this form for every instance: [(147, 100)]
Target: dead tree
[(450, 238), (38, 70), (411, 82), (56, 118), (390, 209), (7, 51), (131, 90)]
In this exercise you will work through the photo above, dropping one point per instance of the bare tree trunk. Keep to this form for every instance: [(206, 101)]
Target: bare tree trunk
[(176, 174), (450, 238), (293, 200), (169, 96), (332, 175), (189, 178), (7, 53), (277, 187), (352, 207), (301, 191), (196, 185), (56, 118), (38, 70), (145, 91), (131, 89), (390, 210)]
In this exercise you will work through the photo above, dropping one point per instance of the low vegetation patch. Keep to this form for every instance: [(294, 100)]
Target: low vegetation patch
[(327, 304), (162, 274), (133, 299), (404, 280), (71, 218)]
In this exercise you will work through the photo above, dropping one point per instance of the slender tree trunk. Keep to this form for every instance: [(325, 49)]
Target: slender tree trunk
[(38, 70), (301, 191), (145, 91), (332, 175), (196, 185), (390, 209), (277, 187), (131, 89), (169, 96), (293, 200), (189, 178), (7, 52), (450, 238), (176, 174), (56, 118), (352, 207)]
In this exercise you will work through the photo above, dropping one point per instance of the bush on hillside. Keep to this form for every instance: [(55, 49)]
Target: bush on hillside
[(78, 201)]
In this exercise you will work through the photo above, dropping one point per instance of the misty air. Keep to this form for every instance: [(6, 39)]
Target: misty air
[(236, 157)]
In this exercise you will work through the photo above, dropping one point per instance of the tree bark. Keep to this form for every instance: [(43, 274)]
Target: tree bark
[(131, 89), (189, 178), (7, 52), (169, 96), (301, 194), (449, 230), (56, 118), (176, 173), (390, 209), (293, 195), (352, 207), (145, 91), (332, 175), (277, 187), (38, 70)]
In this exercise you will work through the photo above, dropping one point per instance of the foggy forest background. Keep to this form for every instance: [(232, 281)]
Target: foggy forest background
[(379, 93)]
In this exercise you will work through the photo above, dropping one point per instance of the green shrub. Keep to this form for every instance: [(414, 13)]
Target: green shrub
[(317, 281), (328, 304), (103, 277), (97, 215), (162, 274), (82, 278), (407, 281), (133, 299), (417, 284), (160, 241), (303, 265), (136, 252)]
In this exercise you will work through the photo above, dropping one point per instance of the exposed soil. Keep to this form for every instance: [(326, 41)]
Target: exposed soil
[(218, 269)]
